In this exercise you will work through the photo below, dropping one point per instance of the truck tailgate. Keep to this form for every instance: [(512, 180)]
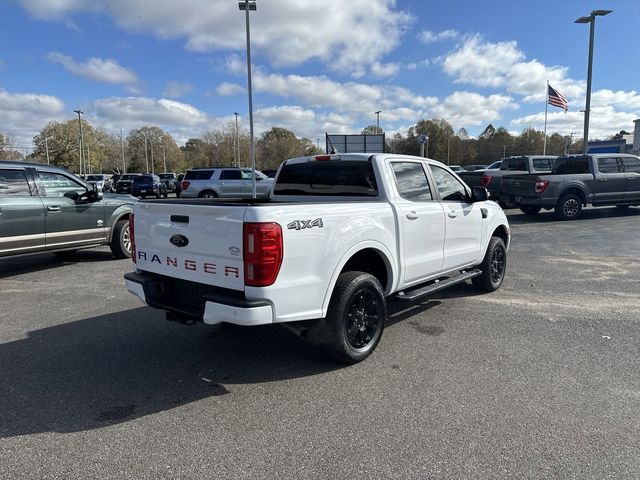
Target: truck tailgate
[(200, 243), (523, 185)]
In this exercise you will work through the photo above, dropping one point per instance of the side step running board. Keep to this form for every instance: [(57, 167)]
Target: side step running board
[(419, 292)]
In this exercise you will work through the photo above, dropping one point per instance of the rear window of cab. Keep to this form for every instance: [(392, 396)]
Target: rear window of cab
[(327, 178)]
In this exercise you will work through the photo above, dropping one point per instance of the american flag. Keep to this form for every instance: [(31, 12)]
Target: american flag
[(556, 99)]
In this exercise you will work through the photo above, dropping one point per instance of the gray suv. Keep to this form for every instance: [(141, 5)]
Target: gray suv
[(48, 209), (225, 182)]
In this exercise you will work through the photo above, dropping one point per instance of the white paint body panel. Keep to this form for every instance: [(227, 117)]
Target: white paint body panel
[(313, 257)]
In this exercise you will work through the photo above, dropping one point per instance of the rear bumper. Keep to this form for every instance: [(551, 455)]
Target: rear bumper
[(521, 201), (211, 308)]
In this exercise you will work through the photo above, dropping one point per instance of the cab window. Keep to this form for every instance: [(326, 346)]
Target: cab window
[(14, 183), (411, 181), (449, 187), (57, 184), (608, 165), (231, 175)]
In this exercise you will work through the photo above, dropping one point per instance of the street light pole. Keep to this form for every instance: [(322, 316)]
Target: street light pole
[(80, 112), (236, 154), (146, 156), (378, 121), (591, 19), (247, 6), (46, 147)]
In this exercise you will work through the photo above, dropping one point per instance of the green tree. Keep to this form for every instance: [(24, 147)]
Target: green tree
[(276, 145), (439, 132), (147, 149), (372, 130), (529, 142), (7, 152)]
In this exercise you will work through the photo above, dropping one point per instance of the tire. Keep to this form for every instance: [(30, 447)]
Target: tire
[(530, 210), (569, 207), (355, 319), (493, 266), (121, 241), (207, 194)]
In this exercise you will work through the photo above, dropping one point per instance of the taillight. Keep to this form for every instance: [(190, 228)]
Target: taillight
[(185, 185), (262, 244), (485, 180), (132, 238), (326, 157), (541, 185)]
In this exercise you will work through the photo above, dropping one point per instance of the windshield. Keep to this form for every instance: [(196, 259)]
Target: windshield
[(94, 178), (143, 178), (167, 176), (128, 177)]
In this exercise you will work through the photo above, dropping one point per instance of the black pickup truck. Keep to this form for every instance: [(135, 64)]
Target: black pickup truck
[(522, 165), (602, 179)]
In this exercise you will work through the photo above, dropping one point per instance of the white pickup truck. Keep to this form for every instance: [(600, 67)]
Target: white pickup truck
[(338, 235)]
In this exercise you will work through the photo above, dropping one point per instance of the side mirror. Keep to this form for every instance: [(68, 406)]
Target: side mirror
[(479, 194), (96, 194)]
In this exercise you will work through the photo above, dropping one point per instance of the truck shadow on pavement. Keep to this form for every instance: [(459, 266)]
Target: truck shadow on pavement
[(39, 262), (113, 368), (516, 217)]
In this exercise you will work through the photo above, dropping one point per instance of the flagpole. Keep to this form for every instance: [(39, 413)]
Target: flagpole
[(546, 108)]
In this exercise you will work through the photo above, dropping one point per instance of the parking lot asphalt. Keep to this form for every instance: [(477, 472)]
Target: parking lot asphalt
[(537, 380)]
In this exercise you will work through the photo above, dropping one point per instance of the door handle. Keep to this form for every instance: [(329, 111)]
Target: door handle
[(53, 208), (452, 214), (412, 215)]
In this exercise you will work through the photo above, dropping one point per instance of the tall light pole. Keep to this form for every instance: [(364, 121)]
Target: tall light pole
[(46, 147), (378, 121), (124, 165), (587, 109), (146, 155), (247, 6), (164, 159), (236, 154), (153, 170), (80, 112), (448, 148)]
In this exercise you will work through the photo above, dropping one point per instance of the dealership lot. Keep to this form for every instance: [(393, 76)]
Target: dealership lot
[(539, 379)]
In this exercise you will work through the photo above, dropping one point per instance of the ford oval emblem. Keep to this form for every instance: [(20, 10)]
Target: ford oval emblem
[(179, 240)]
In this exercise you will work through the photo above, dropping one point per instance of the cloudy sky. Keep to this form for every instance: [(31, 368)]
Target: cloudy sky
[(317, 66)]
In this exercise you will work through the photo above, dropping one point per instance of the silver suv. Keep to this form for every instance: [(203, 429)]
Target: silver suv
[(224, 182)]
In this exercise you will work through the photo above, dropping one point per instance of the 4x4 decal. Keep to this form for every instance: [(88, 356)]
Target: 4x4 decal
[(302, 224)]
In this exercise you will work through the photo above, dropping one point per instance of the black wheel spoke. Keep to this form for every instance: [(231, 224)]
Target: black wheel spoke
[(362, 319)]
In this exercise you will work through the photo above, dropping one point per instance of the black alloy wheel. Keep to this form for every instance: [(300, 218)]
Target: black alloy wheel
[(363, 318)]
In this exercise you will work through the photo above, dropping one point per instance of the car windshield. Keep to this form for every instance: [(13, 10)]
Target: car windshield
[(94, 178), (143, 179), (128, 177), (167, 176)]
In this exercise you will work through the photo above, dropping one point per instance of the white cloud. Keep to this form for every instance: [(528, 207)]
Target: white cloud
[(303, 122), (134, 112), (288, 32), (176, 89), (503, 65), (428, 36), (380, 70), (98, 69), (465, 109), (226, 89), (422, 63), (629, 100), (25, 114)]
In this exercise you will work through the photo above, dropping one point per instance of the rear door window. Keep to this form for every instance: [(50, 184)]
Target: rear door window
[(608, 165), (14, 183), (411, 181), (231, 175), (571, 165)]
